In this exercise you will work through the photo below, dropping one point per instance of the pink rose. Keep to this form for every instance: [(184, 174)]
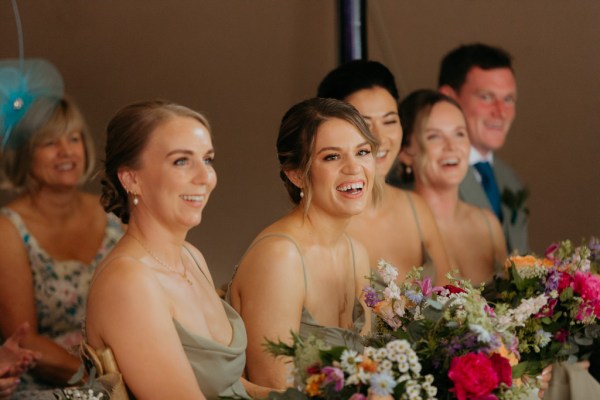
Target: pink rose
[(334, 375), (587, 285), (474, 377), (502, 367)]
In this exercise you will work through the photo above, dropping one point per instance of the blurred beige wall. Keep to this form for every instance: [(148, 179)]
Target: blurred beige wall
[(244, 63)]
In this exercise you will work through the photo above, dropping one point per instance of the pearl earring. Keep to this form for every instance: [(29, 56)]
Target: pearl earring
[(136, 201), (408, 170), (301, 194)]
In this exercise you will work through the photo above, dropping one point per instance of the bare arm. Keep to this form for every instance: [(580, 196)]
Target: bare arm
[(129, 312), (432, 240), (17, 306), (268, 292)]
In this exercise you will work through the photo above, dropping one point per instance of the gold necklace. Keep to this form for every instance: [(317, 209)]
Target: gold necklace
[(158, 260)]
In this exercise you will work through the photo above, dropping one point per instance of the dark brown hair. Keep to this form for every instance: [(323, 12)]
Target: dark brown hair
[(296, 140)]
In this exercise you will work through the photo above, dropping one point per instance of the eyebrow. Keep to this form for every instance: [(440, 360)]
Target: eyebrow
[(333, 148), (187, 152), (383, 116)]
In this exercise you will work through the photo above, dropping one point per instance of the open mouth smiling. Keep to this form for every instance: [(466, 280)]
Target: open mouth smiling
[(351, 188)]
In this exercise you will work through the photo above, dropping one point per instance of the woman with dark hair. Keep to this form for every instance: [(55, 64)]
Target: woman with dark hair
[(53, 236), (436, 148), (401, 230), (152, 302), (303, 273)]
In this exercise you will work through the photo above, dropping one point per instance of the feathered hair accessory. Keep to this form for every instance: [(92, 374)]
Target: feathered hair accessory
[(29, 92)]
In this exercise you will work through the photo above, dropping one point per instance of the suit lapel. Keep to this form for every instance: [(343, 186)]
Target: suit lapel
[(471, 191)]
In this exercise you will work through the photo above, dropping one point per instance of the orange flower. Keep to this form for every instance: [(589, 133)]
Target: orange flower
[(368, 365), (512, 358), (527, 262), (313, 384)]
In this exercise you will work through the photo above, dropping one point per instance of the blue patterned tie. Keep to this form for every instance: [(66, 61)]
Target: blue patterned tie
[(488, 181)]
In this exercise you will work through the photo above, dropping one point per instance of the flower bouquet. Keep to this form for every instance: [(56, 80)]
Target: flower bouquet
[(554, 303), (454, 332), (324, 372)]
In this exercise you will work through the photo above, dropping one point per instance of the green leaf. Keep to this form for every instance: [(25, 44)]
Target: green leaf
[(567, 294)]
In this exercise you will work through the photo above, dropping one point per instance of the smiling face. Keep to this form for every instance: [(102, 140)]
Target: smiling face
[(441, 148), (59, 161), (176, 175), (488, 99), (343, 169), (380, 111)]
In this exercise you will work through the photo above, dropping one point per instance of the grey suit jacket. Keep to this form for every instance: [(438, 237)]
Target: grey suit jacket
[(471, 191)]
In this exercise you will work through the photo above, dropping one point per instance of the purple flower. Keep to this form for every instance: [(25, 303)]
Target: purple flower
[(413, 296), (371, 297), (552, 281), (334, 375)]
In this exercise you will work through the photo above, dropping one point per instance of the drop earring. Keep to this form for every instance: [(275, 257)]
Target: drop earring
[(135, 200), (301, 194), (408, 169)]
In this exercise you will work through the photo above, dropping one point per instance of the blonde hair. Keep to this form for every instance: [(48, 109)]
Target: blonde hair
[(17, 162)]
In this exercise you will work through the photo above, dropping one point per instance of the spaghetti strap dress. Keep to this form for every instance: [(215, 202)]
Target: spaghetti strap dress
[(333, 336), (218, 368)]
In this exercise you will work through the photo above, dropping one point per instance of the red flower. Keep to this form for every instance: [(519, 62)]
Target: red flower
[(503, 369), (454, 289), (561, 335), (564, 282), (314, 369), (548, 309), (474, 377)]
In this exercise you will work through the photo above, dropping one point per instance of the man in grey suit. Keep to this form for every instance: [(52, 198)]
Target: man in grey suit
[(481, 79)]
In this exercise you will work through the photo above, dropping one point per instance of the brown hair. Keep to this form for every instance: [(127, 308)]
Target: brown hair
[(17, 162), (414, 111), (127, 135), (296, 141)]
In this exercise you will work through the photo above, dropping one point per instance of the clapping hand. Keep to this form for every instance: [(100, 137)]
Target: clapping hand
[(14, 360)]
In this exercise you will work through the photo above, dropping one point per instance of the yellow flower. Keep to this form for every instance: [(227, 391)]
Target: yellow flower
[(313, 384)]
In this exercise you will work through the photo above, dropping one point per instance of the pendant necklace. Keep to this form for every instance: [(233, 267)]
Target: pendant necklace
[(164, 265)]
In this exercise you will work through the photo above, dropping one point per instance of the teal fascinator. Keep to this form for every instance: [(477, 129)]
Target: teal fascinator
[(29, 93)]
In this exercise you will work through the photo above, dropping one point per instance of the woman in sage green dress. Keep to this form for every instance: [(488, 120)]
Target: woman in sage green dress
[(304, 273), (153, 301)]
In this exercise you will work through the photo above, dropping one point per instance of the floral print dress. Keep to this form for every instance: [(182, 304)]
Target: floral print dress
[(60, 287)]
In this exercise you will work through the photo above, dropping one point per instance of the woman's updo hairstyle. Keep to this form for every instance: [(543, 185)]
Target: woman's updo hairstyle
[(127, 135), (296, 141)]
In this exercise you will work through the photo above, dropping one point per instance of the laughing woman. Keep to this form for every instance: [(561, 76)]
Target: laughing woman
[(401, 229), (303, 273), (436, 147)]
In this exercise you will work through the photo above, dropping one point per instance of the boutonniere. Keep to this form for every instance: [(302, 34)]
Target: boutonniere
[(515, 201)]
